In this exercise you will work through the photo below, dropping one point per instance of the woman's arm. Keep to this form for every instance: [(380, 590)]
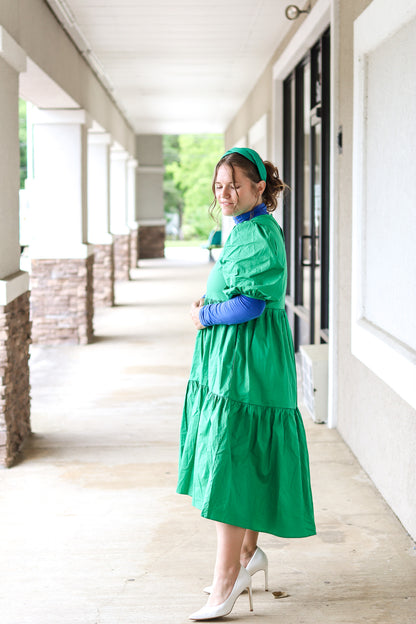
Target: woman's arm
[(239, 309)]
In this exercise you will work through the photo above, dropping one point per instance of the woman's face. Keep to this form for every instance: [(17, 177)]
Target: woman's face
[(235, 199)]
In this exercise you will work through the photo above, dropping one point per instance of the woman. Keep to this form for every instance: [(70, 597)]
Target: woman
[(243, 455)]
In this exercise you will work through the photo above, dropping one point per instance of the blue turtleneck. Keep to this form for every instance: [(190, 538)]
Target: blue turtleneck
[(241, 308), (261, 209)]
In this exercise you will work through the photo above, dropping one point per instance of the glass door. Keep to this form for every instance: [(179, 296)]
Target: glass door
[(306, 205)]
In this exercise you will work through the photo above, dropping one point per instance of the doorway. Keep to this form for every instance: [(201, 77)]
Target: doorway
[(306, 128)]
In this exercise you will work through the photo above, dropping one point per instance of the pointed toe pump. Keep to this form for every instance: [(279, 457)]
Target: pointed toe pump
[(242, 583), (257, 563)]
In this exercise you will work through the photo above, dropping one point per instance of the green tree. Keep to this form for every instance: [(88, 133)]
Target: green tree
[(173, 198), (191, 173)]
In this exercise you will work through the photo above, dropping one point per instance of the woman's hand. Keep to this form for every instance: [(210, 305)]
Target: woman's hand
[(194, 312)]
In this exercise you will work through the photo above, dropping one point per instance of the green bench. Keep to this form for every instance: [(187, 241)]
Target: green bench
[(213, 242)]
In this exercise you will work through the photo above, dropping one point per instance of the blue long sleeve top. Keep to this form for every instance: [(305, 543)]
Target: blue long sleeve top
[(241, 308)]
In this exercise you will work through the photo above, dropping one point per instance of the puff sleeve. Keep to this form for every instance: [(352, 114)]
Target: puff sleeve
[(254, 262)]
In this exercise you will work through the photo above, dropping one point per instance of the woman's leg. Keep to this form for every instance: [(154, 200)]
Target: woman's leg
[(249, 546), (227, 565)]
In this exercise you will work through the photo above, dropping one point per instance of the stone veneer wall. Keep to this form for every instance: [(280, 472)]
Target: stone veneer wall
[(62, 300), (134, 248), (121, 256), (15, 329), (103, 275), (151, 241)]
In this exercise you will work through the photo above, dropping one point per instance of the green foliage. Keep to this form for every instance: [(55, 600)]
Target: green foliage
[(22, 142), (189, 165), (172, 195)]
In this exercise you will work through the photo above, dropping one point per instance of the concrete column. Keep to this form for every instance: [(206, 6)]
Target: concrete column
[(99, 217), (15, 328), (131, 211), (118, 212), (149, 196), (61, 259)]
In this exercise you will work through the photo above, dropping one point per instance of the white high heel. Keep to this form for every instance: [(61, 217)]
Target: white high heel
[(257, 563), (242, 583)]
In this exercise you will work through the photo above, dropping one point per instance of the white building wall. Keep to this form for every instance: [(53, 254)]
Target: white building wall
[(258, 137), (375, 413)]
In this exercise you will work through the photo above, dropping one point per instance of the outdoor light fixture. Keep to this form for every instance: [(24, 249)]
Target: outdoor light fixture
[(292, 12)]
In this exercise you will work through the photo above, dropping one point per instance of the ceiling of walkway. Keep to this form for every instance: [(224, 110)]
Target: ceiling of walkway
[(179, 66)]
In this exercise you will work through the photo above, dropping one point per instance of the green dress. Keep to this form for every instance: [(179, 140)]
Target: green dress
[(243, 453)]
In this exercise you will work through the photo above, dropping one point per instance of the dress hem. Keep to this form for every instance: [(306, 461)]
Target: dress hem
[(218, 518)]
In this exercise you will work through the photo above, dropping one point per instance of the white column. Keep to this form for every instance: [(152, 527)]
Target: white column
[(12, 61), (99, 188), (13, 282), (118, 191), (131, 211), (59, 215), (99, 217), (119, 225), (132, 165), (61, 258)]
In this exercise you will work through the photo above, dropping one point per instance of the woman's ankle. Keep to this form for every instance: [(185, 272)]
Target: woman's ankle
[(226, 572), (246, 554)]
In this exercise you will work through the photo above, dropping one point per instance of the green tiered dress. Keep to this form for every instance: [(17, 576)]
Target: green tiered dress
[(243, 453)]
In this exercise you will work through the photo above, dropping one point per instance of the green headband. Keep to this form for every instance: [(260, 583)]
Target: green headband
[(251, 155)]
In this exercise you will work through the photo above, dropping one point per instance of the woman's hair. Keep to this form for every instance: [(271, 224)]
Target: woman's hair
[(274, 185)]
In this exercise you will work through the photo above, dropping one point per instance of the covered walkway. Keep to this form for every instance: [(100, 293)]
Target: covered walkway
[(92, 531)]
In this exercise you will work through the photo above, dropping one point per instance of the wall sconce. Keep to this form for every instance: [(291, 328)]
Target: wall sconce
[(292, 12)]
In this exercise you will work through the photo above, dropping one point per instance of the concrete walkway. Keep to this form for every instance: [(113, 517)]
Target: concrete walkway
[(91, 530)]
